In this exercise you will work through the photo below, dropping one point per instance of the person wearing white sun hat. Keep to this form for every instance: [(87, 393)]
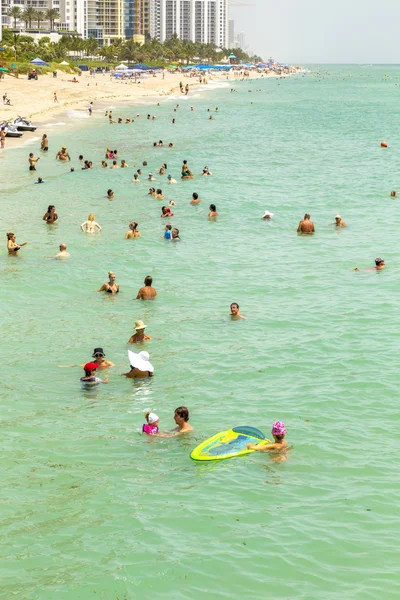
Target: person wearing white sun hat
[(267, 215), (140, 335), (141, 366), (338, 222)]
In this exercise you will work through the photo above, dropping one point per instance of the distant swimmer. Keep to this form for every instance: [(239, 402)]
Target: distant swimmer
[(306, 226), (62, 253), (186, 172), (279, 445), (235, 314), (379, 265), (135, 178), (267, 216), (123, 164), (166, 212), (32, 161), (141, 366), (151, 425), (394, 194), (181, 418), (195, 198), (213, 211), (110, 193), (104, 164), (338, 222), (44, 144), (133, 231), (39, 180), (101, 361), (171, 179), (115, 165), (151, 178), (51, 216), (12, 245), (111, 286), (159, 194), (90, 226), (147, 292), (90, 378), (151, 192), (139, 335), (167, 232), (175, 235), (63, 154)]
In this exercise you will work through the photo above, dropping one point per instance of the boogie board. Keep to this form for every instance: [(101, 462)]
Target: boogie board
[(227, 444)]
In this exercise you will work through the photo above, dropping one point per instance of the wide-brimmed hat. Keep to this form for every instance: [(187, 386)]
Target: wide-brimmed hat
[(140, 361), (268, 214), (98, 351), (140, 325)]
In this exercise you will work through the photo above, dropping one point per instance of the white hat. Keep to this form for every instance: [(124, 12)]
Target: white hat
[(152, 418), (268, 214), (338, 217), (140, 361)]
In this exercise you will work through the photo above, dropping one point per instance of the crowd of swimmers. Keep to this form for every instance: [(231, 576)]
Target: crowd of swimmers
[(140, 364)]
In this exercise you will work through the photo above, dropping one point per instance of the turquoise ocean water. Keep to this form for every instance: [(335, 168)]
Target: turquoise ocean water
[(91, 509)]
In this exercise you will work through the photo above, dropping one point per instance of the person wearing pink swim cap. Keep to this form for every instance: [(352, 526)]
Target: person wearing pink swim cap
[(278, 431)]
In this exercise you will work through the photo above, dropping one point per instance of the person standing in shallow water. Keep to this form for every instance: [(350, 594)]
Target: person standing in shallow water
[(12, 245), (147, 292), (306, 226)]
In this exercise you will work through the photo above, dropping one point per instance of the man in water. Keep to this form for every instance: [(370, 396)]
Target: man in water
[(338, 221), (235, 314), (175, 235), (33, 161), (63, 252), (195, 198), (379, 264), (181, 418), (147, 292), (171, 179), (63, 154), (306, 226)]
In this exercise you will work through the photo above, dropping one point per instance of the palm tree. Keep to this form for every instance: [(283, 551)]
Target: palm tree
[(39, 16), (28, 15), (14, 13), (91, 46), (52, 15)]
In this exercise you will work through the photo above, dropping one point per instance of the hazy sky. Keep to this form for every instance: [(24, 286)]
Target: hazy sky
[(321, 31)]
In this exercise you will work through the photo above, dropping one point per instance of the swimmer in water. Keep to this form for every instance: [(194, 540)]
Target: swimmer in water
[(139, 335), (133, 231), (12, 245), (393, 194), (213, 212), (111, 286), (306, 226), (147, 292), (39, 180), (32, 161), (51, 216), (90, 378), (338, 222), (110, 194), (63, 154), (104, 164), (235, 314), (166, 212), (114, 165), (124, 165), (90, 226), (62, 253), (171, 179), (159, 195), (99, 356), (151, 178), (135, 178), (151, 425), (167, 232), (141, 366), (152, 192), (175, 235), (267, 216), (195, 199), (379, 265), (181, 418), (186, 172), (278, 431)]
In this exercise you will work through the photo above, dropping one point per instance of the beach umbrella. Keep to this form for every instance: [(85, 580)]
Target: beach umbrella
[(121, 67), (4, 69), (64, 62)]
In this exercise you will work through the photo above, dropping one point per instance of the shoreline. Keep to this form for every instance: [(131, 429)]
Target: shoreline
[(42, 108)]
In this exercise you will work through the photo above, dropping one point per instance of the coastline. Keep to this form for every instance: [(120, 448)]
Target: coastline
[(100, 89)]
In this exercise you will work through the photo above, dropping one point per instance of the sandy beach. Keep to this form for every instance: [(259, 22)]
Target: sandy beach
[(34, 99)]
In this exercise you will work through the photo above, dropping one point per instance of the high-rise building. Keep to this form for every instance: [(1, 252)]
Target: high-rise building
[(231, 37), (73, 16), (204, 21), (137, 18)]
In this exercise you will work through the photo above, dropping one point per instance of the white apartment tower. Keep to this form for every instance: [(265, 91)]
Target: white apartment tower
[(205, 21)]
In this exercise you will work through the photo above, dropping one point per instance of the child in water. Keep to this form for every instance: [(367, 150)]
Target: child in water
[(90, 375), (279, 432), (151, 427)]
